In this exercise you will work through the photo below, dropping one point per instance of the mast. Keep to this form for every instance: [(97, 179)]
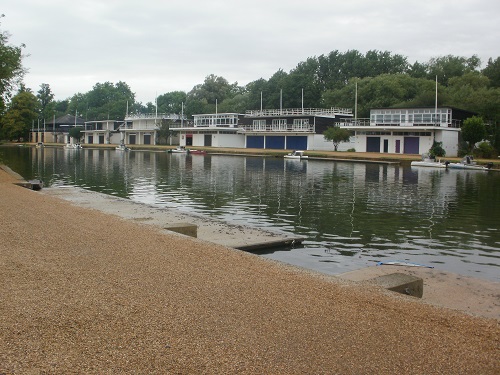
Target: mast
[(436, 103), (302, 101), (261, 101), (281, 101), (356, 102), (182, 114)]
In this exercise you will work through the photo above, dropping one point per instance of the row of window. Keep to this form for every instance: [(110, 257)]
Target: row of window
[(282, 121), (410, 118), (415, 134), (410, 111)]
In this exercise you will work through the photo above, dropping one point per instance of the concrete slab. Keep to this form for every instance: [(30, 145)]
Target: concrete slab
[(208, 229), (401, 283), (187, 229), (446, 289)]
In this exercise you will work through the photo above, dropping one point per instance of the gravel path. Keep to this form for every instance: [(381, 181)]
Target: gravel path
[(82, 291)]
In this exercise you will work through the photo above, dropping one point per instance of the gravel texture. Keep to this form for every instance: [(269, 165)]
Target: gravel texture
[(82, 291)]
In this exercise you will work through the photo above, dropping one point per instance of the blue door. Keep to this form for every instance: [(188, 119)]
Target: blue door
[(275, 142), (295, 142), (255, 141)]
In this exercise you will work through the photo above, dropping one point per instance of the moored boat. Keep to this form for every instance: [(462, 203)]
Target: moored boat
[(179, 150), (469, 163), (296, 154), (73, 146), (429, 162), (122, 147)]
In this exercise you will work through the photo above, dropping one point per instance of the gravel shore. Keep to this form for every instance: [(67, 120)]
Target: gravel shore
[(83, 291)]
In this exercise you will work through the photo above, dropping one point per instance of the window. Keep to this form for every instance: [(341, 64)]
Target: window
[(301, 124), (279, 124), (259, 124)]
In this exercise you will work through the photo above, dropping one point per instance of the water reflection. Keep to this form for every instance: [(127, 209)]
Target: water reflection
[(352, 214)]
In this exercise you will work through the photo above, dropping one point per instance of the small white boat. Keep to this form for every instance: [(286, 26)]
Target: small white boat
[(179, 150), (427, 161), (39, 145), (469, 163), (296, 155), (122, 147), (73, 146)]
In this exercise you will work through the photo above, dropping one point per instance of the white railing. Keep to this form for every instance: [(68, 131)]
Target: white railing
[(158, 116), (277, 129), (368, 122), (299, 112), (352, 122)]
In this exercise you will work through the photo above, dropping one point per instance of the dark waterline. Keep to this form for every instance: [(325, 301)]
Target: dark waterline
[(351, 214)]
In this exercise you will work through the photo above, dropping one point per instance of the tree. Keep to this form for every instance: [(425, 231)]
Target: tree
[(20, 116), (492, 71), (46, 99), (336, 134), (236, 104), (76, 133), (473, 130), (105, 101), (214, 90), (164, 131), (11, 69), (446, 67), (171, 102)]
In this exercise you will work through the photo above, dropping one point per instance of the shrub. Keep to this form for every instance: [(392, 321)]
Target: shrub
[(437, 150), (484, 150)]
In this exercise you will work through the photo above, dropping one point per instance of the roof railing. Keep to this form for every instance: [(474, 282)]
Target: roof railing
[(298, 112)]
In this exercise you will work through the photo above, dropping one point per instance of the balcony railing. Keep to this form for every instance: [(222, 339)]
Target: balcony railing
[(158, 116), (298, 112), (288, 128), (368, 122)]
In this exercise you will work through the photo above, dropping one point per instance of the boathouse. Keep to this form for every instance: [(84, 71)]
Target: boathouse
[(213, 130), (290, 128), (102, 132), (142, 129), (407, 130), (57, 130)]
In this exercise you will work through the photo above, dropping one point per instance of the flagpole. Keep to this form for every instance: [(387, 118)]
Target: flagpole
[(436, 103), (281, 101), (302, 101), (356, 102)]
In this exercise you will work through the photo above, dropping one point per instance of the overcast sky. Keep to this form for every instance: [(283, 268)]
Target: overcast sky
[(161, 46)]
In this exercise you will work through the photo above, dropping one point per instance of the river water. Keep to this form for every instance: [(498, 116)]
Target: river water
[(352, 214)]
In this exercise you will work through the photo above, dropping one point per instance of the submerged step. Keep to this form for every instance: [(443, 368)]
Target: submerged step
[(401, 283), (31, 184), (283, 242), (187, 229)]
